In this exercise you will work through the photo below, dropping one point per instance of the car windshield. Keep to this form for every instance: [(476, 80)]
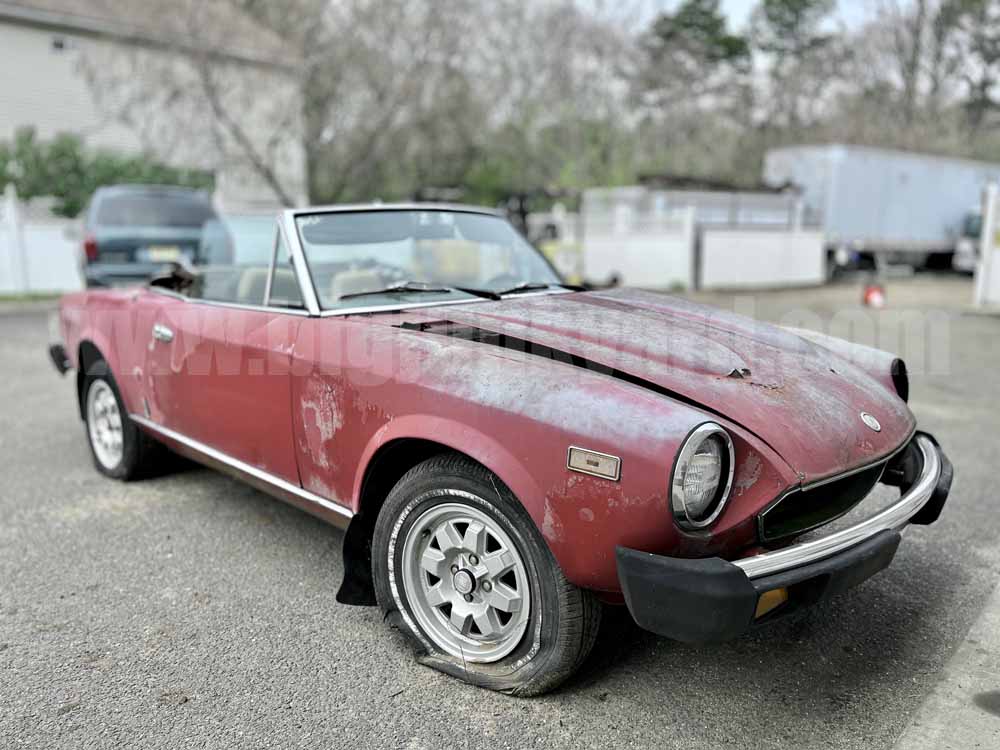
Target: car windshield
[(389, 257), (153, 210)]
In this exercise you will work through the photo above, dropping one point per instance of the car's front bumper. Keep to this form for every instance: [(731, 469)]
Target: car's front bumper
[(713, 599)]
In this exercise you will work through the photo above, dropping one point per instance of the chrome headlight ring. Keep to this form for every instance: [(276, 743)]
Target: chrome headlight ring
[(694, 440)]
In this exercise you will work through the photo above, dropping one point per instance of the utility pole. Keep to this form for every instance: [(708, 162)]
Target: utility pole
[(986, 290)]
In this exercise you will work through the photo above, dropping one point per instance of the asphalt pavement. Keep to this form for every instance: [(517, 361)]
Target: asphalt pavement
[(191, 611)]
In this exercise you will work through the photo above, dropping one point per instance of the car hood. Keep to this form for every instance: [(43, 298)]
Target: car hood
[(799, 398)]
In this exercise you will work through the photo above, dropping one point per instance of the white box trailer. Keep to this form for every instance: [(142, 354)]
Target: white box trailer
[(907, 204)]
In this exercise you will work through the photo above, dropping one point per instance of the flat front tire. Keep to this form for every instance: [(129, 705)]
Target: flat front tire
[(462, 571)]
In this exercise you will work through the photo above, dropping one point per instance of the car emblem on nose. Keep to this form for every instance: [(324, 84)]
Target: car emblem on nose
[(872, 423)]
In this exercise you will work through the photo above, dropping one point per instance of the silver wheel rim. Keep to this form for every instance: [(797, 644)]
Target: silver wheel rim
[(466, 583), (104, 424)]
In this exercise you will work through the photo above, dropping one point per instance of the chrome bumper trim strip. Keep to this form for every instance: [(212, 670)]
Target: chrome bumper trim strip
[(892, 518), (246, 468)]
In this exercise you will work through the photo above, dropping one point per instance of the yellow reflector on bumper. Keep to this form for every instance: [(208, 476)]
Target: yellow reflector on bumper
[(770, 600)]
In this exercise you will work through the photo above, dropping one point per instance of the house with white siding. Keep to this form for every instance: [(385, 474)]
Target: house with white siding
[(133, 77)]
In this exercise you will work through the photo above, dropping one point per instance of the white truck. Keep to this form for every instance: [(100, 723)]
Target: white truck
[(880, 204)]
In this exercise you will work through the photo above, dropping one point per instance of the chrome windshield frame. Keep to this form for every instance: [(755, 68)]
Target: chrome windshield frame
[(288, 225)]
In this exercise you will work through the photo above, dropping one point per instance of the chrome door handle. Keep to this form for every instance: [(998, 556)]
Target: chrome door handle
[(162, 333)]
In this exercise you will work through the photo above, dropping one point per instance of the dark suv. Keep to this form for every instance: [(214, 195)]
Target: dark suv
[(131, 231)]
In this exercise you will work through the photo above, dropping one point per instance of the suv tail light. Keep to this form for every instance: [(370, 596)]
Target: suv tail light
[(90, 249)]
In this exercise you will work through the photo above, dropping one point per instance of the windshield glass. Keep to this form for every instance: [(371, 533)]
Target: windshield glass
[(352, 253)]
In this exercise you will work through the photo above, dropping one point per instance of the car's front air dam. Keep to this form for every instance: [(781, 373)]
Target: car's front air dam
[(712, 599)]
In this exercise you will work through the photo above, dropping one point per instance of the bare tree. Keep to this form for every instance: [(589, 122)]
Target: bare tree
[(194, 97)]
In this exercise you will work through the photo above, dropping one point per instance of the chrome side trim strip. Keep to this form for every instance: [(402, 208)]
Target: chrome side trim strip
[(245, 468), (892, 518)]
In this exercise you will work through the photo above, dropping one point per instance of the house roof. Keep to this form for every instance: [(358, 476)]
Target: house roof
[(164, 23)]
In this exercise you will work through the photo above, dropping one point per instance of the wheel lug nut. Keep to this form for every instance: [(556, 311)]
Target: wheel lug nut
[(473, 560), (454, 568), (487, 586), (468, 597)]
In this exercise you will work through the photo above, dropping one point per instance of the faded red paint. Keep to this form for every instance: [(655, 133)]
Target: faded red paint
[(313, 400)]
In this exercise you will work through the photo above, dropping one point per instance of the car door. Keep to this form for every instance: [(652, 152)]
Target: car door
[(219, 365)]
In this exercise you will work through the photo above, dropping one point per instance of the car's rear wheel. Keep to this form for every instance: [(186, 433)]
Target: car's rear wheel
[(119, 448), (461, 569)]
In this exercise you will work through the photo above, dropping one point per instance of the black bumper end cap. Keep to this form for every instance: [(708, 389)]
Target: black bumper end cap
[(932, 509), (692, 601)]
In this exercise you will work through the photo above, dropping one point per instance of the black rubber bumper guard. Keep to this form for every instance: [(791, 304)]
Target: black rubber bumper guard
[(711, 599)]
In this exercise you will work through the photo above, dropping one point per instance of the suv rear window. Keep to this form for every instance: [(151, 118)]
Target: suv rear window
[(153, 210)]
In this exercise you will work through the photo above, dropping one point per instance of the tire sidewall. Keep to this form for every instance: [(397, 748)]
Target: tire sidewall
[(99, 372), (407, 503)]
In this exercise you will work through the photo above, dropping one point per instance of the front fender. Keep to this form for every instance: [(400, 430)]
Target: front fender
[(885, 367), (517, 414), (459, 437)]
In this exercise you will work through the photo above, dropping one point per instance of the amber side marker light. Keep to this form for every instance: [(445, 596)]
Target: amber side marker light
[(770, 601)]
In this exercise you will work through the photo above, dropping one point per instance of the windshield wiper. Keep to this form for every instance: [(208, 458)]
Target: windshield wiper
[(535, 286), (414, 287), (484, 293), (418, 287)]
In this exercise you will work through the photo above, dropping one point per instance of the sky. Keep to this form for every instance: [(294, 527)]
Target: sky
[(851, 12)]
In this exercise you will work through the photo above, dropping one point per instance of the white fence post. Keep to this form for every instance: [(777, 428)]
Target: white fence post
[(987, 246), (15, 239), (691, 240), (798, 217)]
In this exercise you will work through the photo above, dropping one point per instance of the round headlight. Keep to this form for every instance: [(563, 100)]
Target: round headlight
[(702, 477)]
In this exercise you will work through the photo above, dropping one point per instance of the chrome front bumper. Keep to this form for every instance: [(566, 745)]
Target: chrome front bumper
[(892, 518), (713, 599)]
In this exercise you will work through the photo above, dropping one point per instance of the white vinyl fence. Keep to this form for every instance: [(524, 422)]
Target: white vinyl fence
[(694, 238), (988, 268), (760, 258), (627, 236), (36, 256)]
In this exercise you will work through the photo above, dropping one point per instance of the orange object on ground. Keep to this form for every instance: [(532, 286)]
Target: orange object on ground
[(874, 296)]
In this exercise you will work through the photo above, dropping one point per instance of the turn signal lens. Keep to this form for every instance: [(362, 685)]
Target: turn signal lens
[(770, 601)]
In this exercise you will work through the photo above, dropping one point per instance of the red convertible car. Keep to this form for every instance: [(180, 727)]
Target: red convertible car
[(506, 452)]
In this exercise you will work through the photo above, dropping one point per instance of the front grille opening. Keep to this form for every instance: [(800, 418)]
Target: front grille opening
[(803, 510)]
